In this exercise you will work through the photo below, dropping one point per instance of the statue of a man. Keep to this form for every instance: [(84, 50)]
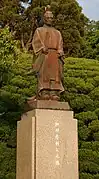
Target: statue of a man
[(48, 47)]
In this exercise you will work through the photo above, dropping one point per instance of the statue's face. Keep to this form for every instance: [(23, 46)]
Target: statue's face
[(48, 18)]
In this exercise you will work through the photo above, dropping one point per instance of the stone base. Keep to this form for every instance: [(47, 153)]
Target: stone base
[(47, 144)]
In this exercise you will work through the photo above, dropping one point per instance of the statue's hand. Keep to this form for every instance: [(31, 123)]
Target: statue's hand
[(61, 54), (61, 57), (45, 50), (33, 66)]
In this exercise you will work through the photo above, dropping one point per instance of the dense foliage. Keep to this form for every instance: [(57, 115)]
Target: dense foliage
[(15, 86), (81, 82), (68, 18), (81, 78), (90, 49)]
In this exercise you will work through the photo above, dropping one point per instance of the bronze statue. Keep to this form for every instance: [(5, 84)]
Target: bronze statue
[(48, 47)]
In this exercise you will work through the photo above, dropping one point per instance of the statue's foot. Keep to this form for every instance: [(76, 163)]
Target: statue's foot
[(55, 98), (45, 97), (54, 95)]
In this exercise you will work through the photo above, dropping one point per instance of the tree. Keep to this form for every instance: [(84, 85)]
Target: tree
[(91, 48), (9, 12), (15, 87), (70, 21), (68, 18)]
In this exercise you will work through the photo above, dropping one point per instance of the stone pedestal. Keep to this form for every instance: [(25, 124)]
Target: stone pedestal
[(47, 142)]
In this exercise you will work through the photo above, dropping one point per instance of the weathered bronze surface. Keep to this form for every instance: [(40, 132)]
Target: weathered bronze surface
[(48, 47)]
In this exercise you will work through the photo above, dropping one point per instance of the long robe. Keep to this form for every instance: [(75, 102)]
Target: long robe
[(48, 67)]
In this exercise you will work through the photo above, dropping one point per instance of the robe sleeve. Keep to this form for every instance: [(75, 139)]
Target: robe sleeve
[(60, 48), (37, 42), (60, 45)]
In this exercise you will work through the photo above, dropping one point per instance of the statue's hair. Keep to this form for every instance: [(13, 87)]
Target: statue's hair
[(48, 8)]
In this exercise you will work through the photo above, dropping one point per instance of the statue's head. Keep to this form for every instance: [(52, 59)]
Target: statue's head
[(48, 16)]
